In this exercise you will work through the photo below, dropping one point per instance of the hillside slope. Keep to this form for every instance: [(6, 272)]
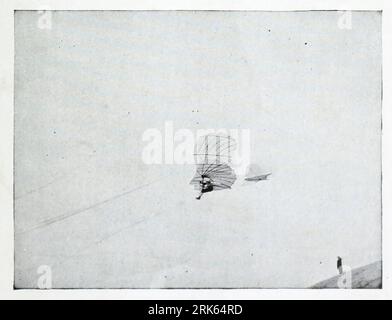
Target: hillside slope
[(366, 277)]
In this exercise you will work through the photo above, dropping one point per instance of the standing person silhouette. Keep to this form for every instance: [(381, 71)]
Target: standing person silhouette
[(339, 265)]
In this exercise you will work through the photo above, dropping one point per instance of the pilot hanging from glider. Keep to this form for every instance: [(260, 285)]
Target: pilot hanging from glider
[(213, 172), (205, 186)]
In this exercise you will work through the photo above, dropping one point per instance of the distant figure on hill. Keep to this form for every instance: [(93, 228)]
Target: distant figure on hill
[(339, 265)]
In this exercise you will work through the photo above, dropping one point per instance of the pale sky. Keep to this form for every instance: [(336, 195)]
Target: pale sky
[(88, 206)]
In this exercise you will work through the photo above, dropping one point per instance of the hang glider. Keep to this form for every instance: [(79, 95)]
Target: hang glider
[(253, 174), (213, 157), (258, 178)]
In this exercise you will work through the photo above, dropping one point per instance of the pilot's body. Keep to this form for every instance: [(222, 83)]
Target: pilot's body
[(205, 186)]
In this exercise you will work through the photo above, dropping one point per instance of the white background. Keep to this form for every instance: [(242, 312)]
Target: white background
[(7, 251)]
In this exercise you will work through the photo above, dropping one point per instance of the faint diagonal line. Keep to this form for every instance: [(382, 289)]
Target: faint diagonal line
[(59, 218), (99, 241), (107, 237), (17, 197)]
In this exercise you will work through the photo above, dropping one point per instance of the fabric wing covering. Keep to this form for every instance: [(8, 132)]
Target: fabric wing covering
[(213, 156)]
